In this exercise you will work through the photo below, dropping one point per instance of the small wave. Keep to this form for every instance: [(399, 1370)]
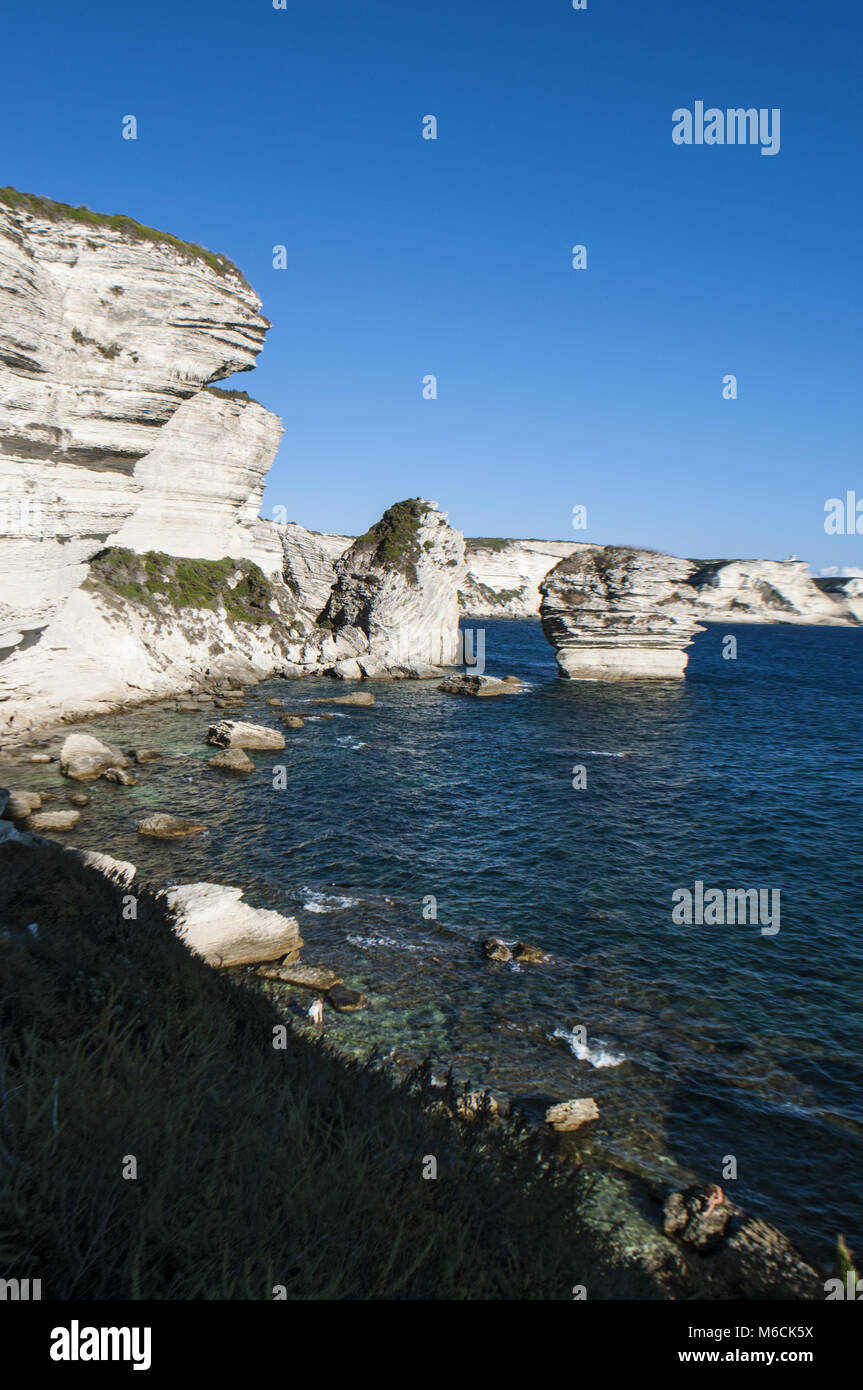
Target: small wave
[(326, 902), (369, 942), (596, 1056), (348, 741), (596, 753)]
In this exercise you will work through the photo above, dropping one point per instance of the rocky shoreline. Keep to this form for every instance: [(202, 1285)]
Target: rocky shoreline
[(695, 1242)]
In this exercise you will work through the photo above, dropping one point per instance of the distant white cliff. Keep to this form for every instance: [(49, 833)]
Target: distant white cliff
[(504, 579)]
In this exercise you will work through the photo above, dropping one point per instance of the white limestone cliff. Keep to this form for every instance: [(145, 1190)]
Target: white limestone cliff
[(613, 612), (503, 576), (202, 482), (105, 330), (769, 591), (309, 564)]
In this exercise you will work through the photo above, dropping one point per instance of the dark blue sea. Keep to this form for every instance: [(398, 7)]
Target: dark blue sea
[(704, 1043)]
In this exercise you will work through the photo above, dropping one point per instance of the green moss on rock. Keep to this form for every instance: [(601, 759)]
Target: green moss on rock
[(154, 578), (394, 540)]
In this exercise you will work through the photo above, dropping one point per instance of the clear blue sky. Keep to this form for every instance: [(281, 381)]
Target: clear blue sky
[(603, 387)]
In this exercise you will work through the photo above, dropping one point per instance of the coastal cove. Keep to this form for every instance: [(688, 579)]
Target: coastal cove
[(701, 1041)]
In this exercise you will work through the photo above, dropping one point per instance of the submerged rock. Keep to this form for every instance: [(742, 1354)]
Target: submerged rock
[(346, 1001), (78, 799), (356, 697), (235, 734), (164, 827), (53, 820), (144, 755), (215, 923), (526, 954), (120, 776), (83, 758), (232, 760), (293, 721), (317, 977), (571, 1114), (495, 949), (20, 804), (484, 687)]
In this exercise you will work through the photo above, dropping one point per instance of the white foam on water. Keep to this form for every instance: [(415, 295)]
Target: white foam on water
[(326, 902), (367, 942), (596, 1056)]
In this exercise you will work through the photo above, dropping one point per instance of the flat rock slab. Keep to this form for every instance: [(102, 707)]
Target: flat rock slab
[(165, 827), (483, 687), (83, 758), (571, 1114), (230, 733), (357, 697), (233, 760), (346, 1001), (317, 977), (117, 870), (53, 820), (20, 804), (216, 924)]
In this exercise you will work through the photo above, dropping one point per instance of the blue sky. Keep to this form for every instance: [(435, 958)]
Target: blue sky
[(406, 257)]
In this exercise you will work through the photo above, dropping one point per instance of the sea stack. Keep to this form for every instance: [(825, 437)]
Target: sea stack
[(394, 608), (616, 613)]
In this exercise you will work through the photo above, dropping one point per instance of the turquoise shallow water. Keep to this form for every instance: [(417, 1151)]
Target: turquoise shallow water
[(702, 1041)]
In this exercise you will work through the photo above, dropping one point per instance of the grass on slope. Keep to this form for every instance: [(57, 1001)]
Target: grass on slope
[(40, 206), (256, 1167), (186, 583)]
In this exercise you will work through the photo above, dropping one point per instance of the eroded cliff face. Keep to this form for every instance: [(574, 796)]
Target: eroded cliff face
[(394, 608), (107, 648), (612, 612), (105, 330), (503, 576), (202, 482), (770, 591), (309, 564)]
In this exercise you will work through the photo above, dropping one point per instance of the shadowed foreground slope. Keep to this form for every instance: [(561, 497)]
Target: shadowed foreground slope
[(256, 1166)]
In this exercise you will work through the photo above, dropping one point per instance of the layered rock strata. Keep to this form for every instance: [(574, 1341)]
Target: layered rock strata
[(394, 607), (503, 576), (769, 591), (106, 328), (611, 612)]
